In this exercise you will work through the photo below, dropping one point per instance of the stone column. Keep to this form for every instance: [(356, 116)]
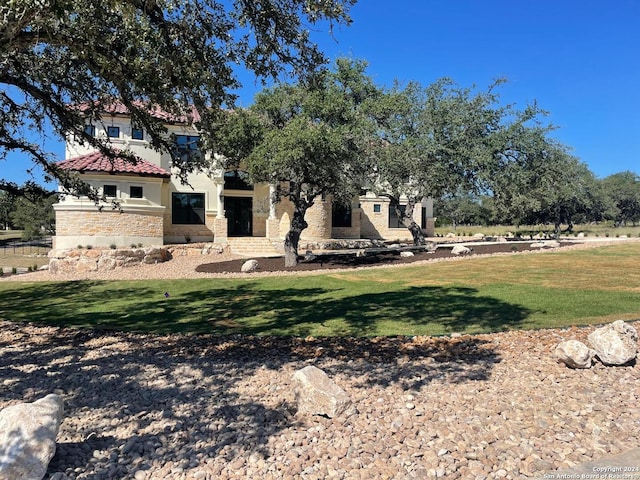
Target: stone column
[(220, 222), (273, 223)]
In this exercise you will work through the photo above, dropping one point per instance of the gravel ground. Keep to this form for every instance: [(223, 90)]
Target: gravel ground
[(199, 407), (202, 407)]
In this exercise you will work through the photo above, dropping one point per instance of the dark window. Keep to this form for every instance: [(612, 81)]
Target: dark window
[(90, 130), (137, 133), (187, 208), (394, 221), (136, 192), (113, 132), (187, 146), (423, 218), (237, 180), (109, 191), (377, 208), (341, 215)]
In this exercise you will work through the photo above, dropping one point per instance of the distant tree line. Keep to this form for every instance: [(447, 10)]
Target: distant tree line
[(562, 192)]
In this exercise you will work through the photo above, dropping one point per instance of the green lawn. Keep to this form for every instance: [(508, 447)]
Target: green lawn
[(475, 295)]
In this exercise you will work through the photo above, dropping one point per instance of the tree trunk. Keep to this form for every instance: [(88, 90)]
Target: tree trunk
[(407, 220), (292, 238)]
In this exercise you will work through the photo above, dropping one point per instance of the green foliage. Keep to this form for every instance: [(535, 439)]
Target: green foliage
[(623, 191), (174, 54), (542, 183), (35, 216), (7, 206), (442, 140), (309, 139)]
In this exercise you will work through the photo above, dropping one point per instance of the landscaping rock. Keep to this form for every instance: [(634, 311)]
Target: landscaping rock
[(574, 354), (317, 394), (460, 250), (28, 434), (249, 266), (615, 344), (406, 254)]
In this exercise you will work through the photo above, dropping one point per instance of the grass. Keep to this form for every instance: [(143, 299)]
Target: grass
[(604, 229), (477, 295)]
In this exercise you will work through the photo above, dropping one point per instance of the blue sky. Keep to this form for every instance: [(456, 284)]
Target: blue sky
[(580, 60)]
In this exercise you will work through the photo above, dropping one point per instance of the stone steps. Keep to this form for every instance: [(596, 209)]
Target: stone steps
[(255, 246)]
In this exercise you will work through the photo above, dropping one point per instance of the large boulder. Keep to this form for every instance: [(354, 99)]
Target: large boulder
[(460, 250), (317, 394), (28, 438), (616, 343), (574, 354), (249, 266)]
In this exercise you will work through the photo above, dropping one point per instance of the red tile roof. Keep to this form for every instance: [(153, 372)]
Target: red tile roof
[(119, 108), (98, 162)]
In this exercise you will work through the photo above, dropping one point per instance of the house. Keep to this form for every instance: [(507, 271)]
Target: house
[(146, 203)]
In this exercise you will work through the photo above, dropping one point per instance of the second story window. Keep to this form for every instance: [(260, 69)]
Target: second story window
[(113, 132), (187, 145), (137, 133), (90, 130)]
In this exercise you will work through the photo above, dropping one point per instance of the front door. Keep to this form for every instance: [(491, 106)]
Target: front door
[(239, 211)]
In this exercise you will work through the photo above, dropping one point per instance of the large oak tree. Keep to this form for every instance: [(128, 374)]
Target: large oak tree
[(148, 54), (440, 140), (309, 139)]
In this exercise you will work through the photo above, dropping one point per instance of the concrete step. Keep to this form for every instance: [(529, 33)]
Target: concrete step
[(254, 246)]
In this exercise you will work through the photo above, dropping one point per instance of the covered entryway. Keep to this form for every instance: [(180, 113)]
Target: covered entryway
[(239, 212)]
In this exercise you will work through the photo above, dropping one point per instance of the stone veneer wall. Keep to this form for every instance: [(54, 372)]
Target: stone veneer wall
[(108, 227), (376, 224), (102, 259), (196, 233), (349, 232)]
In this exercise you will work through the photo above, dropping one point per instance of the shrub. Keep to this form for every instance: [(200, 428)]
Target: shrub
[(14, 270), (140, 245), (112, 246), (89, 247), (80, 247)]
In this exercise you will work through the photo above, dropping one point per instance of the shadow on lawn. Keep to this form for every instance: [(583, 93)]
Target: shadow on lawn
[(248, 309)]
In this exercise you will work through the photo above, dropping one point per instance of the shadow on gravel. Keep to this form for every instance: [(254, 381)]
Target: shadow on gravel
[(133, 398)]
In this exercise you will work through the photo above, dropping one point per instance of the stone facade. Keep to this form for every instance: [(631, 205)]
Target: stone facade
[(89, 226), (375, 220)]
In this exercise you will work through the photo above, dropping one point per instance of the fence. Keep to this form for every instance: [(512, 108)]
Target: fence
[(29, 247)]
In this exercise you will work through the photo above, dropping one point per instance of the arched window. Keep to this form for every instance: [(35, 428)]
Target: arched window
[(237, 180)]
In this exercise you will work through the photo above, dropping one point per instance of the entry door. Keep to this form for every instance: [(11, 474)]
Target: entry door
[(239, 211)]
